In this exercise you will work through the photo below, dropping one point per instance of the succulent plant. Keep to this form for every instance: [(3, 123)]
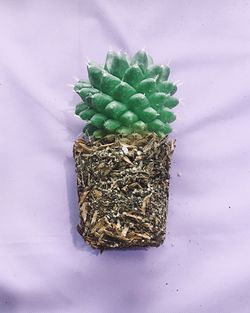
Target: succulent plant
[(126, 96)]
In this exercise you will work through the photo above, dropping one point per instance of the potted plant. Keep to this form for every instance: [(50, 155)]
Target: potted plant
[(123, 158)]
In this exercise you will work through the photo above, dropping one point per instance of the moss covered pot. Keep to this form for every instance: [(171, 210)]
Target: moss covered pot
[(123, 188)]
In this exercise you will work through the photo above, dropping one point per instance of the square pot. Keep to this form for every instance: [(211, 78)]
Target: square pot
[(123, 188)]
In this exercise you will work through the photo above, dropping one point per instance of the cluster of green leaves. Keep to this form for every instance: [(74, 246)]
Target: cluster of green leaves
[(127, 96)]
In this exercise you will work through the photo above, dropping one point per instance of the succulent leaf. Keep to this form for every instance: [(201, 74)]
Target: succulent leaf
[(158, 99), (166, 129), (123, 92), (140, 127), (165, 72), (123, 130), (115, 109), (147, 85), (109, 60), (167, 87), (138, 102), (95, 75), (156, 125), (99, 133), (81, 84), (108, 83), (80, 107), (128, 118), (89, 129), (133, 75), (111, 125), (98, 120), (155, 71), (166, 115), (86, 92), (141, 59), (147, 115), (99, 101), (86, 114), (117, 64), (171, 102)]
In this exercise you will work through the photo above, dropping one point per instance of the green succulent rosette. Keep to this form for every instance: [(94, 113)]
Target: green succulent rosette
[(125, 96)]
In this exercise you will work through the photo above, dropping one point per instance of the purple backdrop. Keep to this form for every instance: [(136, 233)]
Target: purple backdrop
[(203, 267)]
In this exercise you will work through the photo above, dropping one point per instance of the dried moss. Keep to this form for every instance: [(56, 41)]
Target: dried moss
[(123, 187)]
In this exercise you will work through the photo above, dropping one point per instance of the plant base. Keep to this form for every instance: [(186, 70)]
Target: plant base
[(123, 185)]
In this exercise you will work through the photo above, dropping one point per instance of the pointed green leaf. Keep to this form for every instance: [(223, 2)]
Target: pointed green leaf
[(111, 125), (150, 60), (80, 107), (133, 75), (173, 91), (86, 114), (88, 100), (139, 127), (99, 101), (159, 127), (155, 125), (98, 120), (81, 84), (167, 87), (166, 115), (89, 129), (95, 75), (109, 82), (128, 118), (138, 102), (155, 71), (147, 85), (158, 99), (141, 59), (160, 134), (118, 65), (86, 92), (99, 133), (109, 60), (166, 129), (160, 72), (165, 72), (123, 130), (123, 92), (115, 109), (171, 102), (148, 114)]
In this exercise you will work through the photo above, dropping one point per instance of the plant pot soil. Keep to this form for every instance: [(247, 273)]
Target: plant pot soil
[(123, 189)]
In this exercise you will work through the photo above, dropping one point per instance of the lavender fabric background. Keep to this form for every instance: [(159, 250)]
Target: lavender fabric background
[(203, 267)]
